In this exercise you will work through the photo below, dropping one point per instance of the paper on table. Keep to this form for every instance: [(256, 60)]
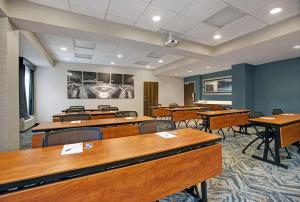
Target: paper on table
[(166, 135), (288, 114), (72, 148), (129, 118), (79, 121), (268, 118)]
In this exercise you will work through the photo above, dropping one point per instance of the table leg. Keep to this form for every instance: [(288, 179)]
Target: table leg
[(204, 191)]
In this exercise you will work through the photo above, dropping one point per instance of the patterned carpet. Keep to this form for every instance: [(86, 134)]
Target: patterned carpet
[(243, 178)]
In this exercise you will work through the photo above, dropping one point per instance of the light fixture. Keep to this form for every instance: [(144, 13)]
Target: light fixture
[(63, 48), (190, 71), (148, 67), (208, 67), (297, 47), (112, 62), (217, 36), (275, 10), (67, 59), (156, 18), (119, 55), (160, 61)]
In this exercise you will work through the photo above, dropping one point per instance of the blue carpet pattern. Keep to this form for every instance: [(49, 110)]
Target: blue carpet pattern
[(243, 178)]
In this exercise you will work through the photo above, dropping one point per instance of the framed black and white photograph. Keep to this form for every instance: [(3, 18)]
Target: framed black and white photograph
[(128, 85), (217, 86), (89, 88), (103, 87), (74, 84), (116, 81)]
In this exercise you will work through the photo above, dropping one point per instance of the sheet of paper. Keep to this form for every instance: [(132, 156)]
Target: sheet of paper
[(288, 114), (166, 135), (268, 118), (129, 118), (72, 148), (79, 121)]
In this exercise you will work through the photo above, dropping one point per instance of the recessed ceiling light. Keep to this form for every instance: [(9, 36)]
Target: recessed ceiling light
[(160, 61), (148, 67), (275, 10), (156, 18), (112, 62), (190, 71), (67, 58), (63, 48), (297, 46), (208, 67), (217, 36), (119, 55)]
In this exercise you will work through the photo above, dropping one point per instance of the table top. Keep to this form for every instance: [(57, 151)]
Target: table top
[(48, 126), (88, 109), (33, 163), (282, 119), (184, 108), (86, 112), (223, 112)]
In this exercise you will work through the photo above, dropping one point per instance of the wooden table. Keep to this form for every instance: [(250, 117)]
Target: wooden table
[(184, 114), (50, 126), (93, 114), (224, 118), (87, 110), (213, 105), (136, 168), (285, 129)]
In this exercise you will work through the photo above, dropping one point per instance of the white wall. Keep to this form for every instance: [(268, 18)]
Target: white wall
[(51, 89)]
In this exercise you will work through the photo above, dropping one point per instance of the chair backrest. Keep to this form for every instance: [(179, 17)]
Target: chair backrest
[(254, 114), (75, 117), (72, 135), (120, 114), (107, 109), (277, 111), (155, 126), (173, 105), (102, 106), (75, 109)]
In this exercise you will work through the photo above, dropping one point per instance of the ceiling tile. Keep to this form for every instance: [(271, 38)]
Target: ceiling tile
[(118, 19), (104, 46), (180, 24), (60, 4), (94, 8), (289, 9), (244, 26), (203, 9), (252, 5), (173, 5), (84, 51), (198, 31), (146, 21), (129, 9)]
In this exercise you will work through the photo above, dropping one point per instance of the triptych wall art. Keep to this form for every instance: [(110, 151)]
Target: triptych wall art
[(97, 85)]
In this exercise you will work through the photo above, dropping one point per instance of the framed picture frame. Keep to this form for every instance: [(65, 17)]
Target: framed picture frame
[(217, 86)]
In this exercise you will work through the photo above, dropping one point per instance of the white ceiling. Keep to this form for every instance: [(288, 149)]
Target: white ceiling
[(183, 17), (103, 53)]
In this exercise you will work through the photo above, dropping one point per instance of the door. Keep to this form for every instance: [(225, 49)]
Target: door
[(189, 93), (150, 97)]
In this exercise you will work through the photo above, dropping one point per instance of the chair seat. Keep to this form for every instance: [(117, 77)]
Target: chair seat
[(180, 197)]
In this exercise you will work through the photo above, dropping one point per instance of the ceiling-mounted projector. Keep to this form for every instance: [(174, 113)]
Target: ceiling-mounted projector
[(171, 41)]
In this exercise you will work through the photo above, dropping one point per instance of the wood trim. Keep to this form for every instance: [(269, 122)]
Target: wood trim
[(217, 122), (290, 134), (147, 181)]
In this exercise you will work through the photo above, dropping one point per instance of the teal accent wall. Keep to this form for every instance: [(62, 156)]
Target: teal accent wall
[(277, 85)]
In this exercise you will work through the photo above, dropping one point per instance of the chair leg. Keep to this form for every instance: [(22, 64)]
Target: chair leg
[(248, 145), (222, 133), (288, 153), (258, 147)]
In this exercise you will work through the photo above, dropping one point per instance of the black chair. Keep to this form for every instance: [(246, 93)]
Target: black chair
[(173, 105), (121, 114), (75, 109), (107, 109), (204, 121), (72, 135), (100, 107), (154, 126), (75, 117), (277, 111)]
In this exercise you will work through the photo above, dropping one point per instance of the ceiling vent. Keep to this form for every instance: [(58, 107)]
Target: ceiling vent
[(140, 62), (155, 55), (83, 56), (84, 44), (224, 16)]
